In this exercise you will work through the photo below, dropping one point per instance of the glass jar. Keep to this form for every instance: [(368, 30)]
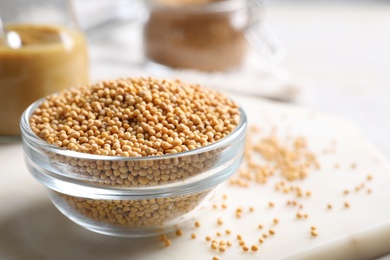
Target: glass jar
[(41, 52), (207, 35)]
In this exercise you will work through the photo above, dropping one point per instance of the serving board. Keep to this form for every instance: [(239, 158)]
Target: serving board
[(357, 226)]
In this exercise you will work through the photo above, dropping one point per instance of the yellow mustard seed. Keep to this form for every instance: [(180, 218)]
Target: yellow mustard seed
[(193, 235), (228, 231), (241, 243), (346, 204), (163, 237), (314, 233), (260, 226), (179, 232), (197, 224), (276, 221), (215, 258), (271, 204), (245, 248), (271, 232), (239, 237), (261, 241), (254, 248), (229, 243), (220, 221), (167, 242), (208, 238), (222, 249), (329, 206)]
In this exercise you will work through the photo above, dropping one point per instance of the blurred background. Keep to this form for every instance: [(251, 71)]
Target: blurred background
[(338, 57)]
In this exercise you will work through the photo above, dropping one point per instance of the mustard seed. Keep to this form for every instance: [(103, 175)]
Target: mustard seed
[(208, 238), (271, 232), (215, 258), (167, 242), (179, 232), (314, 233), (346, 204), (193, 235), (245, 248), (197, 224), (254, 248), (135, 117), (276, 221)]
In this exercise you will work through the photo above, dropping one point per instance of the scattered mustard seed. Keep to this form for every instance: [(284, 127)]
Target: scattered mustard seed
[(271, 232), (197, 224), (220, 221), (245, 248), (254, 248), (208, 238), (314, 233), (346, 204), (193, 235), (276, 221)]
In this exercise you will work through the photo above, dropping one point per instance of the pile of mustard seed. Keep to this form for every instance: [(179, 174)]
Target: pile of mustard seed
[(135, 117)]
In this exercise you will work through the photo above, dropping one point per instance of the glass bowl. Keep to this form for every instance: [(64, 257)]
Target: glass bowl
[(131, 196)]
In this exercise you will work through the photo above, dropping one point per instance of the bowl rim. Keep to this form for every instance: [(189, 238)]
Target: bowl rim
[(32, 137), (72, 185)]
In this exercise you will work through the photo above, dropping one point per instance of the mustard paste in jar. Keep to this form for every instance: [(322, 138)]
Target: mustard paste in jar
[(51, 58)]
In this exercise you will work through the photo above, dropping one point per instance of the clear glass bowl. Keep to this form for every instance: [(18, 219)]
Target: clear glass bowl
[(131, 196)]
